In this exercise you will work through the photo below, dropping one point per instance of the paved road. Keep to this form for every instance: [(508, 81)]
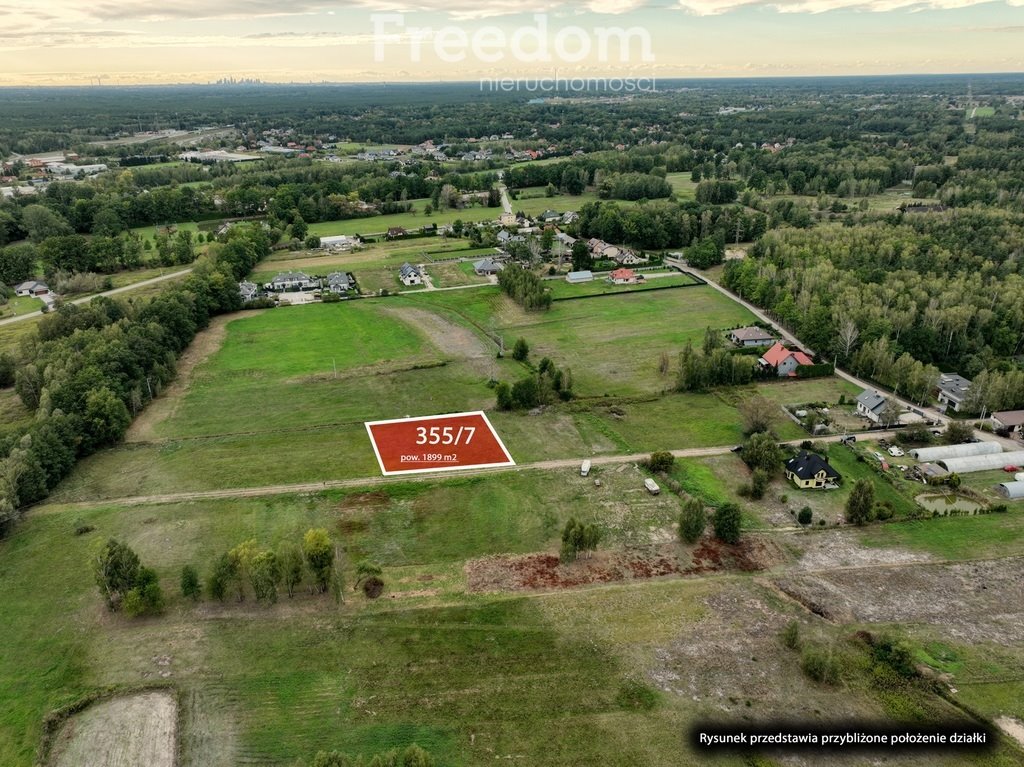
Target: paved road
[(313, 487), (929, 413), (112, 292)]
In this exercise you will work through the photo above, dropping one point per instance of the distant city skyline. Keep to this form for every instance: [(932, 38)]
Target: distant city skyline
[(59, 42)]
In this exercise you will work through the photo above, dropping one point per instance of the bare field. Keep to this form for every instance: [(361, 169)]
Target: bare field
[(971, 602), (130, 731)]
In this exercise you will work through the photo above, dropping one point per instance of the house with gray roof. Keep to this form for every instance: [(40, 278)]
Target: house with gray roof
[(487, 267), (410, 275), (293, 281), (248, 290), (953, 391), (871, 405), (752, 336), (340, 282)]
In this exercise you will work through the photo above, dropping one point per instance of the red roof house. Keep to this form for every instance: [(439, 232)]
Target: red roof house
[(784, 361)]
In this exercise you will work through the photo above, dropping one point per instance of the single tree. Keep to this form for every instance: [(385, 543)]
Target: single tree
[(116, 568), (521, 350), (319, 553), (289, 559), (190, 588), (759, 414), (860, 506)]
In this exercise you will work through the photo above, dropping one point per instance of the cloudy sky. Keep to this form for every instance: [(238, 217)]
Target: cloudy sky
[(56, 42)]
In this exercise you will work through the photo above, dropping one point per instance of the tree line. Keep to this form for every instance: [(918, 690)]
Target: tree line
[(88, 370)]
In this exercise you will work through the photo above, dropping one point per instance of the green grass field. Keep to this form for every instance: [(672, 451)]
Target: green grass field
[(19, 305), (561, 289), (612, 345)]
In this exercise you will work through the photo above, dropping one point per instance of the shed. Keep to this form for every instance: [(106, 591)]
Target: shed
[(982, 462), (1012, 490), (955, 451)]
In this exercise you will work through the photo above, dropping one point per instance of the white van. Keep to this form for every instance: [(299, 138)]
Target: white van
[(652, 486), (584, 468)]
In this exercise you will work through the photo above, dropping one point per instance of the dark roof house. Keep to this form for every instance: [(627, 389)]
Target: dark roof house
[(809, 469)]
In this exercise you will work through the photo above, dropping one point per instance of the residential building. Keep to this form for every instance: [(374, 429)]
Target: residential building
[(31, 288), (871, 405), (487, 267), (341, 282), (625, 277), (953, 390), (752, 336), (410, 275), (293, 281), (395, 232), (784, 361), (248, 290), (808, 470)]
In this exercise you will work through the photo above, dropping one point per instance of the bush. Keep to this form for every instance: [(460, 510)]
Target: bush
[(791, 635), (661, 461), (81, 529), (759, 484), (883, 510), (373, 587), (820, 665), (521, 350), (726, 522), (636, 696), (805, 516)]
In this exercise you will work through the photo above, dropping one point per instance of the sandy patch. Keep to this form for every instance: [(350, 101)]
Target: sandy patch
[(1012, 727), (840, 548), (202, 347), (123, 732), (972, 602), (451, 339)]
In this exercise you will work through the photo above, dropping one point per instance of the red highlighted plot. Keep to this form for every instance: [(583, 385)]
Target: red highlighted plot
[(437, 443)]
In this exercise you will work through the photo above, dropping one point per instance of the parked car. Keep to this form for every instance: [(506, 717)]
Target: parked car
[(1011, 469), (879, 456), (848, 440), (896, 452), (585, 468)]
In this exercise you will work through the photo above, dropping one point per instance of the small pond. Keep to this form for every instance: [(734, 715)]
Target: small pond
[(949, 504)]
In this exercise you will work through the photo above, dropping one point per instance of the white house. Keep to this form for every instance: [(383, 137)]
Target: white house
[(31, 288), (410, 275), (871, 405)]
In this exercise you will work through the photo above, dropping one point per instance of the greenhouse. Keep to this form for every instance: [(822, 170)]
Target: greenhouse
[(982, 462), (955, 451), (1012, 490)]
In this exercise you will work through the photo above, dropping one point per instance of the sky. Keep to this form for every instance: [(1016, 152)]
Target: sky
[(69, 42)]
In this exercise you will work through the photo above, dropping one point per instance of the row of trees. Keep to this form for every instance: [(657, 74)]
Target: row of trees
[(251, 568), (700, 370), (545, 385)]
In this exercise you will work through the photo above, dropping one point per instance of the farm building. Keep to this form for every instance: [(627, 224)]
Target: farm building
[(808, 470), (953, 390), (1012, 490), (1009, 419), (971, 463), (955, 451), (575, 278), (337, 242), (410, 275)]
